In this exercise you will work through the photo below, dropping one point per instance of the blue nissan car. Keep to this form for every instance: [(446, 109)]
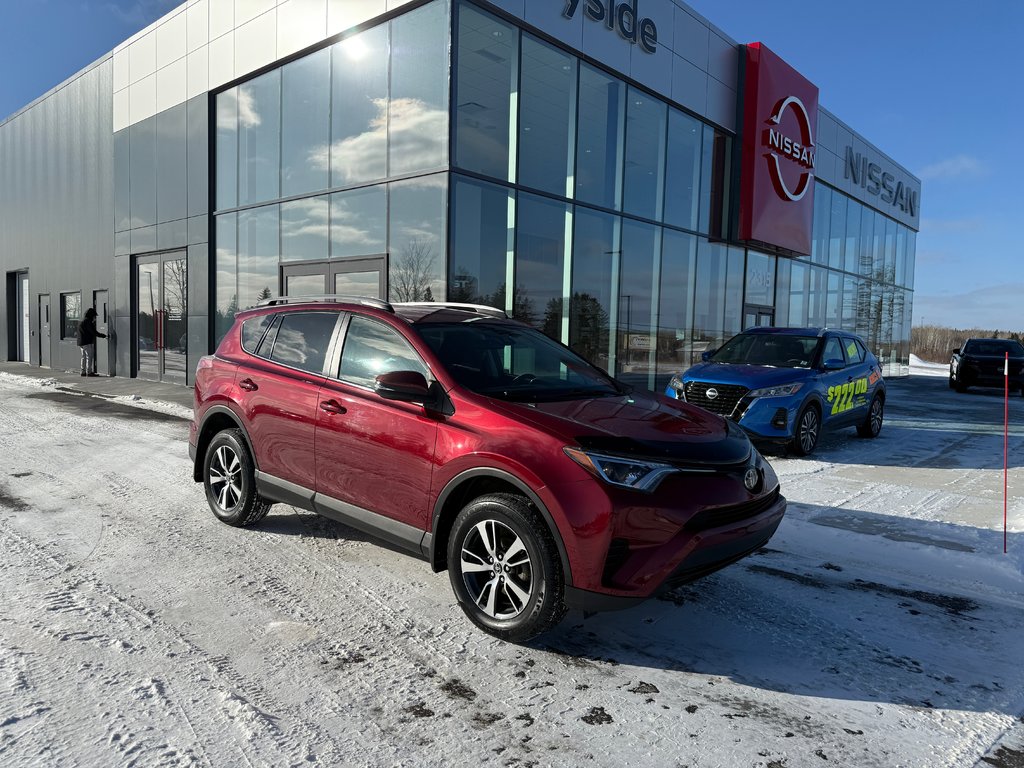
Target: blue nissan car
[(785, 385)]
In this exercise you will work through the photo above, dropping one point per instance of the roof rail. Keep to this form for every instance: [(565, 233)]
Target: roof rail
[(482, 309), (368, 301)]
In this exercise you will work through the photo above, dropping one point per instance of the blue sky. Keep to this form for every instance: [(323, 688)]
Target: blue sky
[(933, 83)]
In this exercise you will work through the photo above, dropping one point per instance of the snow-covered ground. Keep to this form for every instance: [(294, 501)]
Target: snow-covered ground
[(883, 625)]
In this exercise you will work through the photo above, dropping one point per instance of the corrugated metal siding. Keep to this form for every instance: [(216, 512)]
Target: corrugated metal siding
[(56, 199)]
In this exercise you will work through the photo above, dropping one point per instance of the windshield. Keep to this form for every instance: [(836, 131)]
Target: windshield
[(994, 347), (781, 350), (512, 362)]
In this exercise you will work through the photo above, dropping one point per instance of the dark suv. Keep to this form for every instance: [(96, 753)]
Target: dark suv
[(480, 444)]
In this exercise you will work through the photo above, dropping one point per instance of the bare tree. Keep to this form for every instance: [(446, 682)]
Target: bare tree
[(411, 275)]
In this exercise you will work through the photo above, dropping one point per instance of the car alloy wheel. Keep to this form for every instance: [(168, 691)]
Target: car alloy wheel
[(229, 477), (504, 567), (872, 423), (808, 426), (497, 570), (225, 478)]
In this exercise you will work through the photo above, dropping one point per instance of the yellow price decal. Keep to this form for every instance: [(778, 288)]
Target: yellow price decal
[(841, 396)]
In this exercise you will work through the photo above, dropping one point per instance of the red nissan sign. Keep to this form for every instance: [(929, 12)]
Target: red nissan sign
[(780, 120)]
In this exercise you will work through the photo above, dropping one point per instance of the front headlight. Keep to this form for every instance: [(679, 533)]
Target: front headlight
[(637, 474), (781, 391), (677, 384)]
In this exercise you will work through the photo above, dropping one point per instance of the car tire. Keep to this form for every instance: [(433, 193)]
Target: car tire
[(872, 423), (808, 429), (961, 388), (229, 478), (513, 597)]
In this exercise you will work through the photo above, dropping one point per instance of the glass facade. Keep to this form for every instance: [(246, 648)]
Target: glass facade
[(548, 187), (335, 156)]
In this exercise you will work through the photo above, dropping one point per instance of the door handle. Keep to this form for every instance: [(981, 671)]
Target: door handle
[(248, 385), (332, 406)]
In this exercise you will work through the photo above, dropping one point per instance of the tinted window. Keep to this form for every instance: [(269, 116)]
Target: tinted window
[(854, 351), (546, 112), (834, 350), (252, 332), (302, 340), (371, 349), (602, 105), (780, 350)]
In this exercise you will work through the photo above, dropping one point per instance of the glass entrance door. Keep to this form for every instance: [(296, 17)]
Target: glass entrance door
[(351, 277), (161, 322), (758, 317)]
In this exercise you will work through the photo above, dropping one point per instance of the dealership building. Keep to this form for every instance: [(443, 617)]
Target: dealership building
[(621, 175)]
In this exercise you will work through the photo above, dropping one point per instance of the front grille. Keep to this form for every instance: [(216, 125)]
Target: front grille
[(724, 404), (719, 516)]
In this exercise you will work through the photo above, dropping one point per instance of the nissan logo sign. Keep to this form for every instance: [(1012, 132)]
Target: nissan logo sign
[(799, 152), (712, 393), (751, 479)]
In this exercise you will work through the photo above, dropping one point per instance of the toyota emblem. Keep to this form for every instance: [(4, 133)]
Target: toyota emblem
[(751, 479), (712, 393)]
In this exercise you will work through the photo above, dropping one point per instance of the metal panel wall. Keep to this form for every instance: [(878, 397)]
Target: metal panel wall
[(56, 199)]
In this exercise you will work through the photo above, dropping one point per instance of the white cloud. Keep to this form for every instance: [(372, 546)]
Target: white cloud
[(953, 168)]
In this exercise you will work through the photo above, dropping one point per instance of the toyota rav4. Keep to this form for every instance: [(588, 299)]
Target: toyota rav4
[(478, 443)]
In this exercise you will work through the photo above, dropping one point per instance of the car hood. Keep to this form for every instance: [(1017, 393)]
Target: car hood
[(639, 424), (751, 376)]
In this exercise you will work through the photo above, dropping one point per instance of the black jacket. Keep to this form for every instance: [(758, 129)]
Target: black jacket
[(87, 332)]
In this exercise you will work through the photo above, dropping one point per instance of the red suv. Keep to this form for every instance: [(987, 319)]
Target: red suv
[(478, 443)]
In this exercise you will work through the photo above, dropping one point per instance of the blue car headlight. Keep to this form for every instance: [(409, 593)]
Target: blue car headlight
[(783, 390), (677, 386)]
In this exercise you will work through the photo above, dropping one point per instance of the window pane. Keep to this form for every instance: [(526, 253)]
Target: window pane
[(595, 263), (638, 283), (852, 235), (419, 90), (359, 112), (253, 330), (227, 149), (646, 128), (834, 303), (849, 304), (601, 130), (259, 139), (837, 231), (257, 255), (783, 278), (226, 274), (482, 226), (822, 219), (547, 108), (760, 279), (901, 255), (798, 295), (683, 179), (359, 222), (709, 306), (735, 278), (305, 123), (372, 349), (817, 297), (889, 272), (540, 258), (417, 239), (488, 68), (71, 312), (302, 340), (675, 331), (304, 229)]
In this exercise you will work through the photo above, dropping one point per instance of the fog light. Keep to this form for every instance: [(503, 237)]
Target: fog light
[(779, 419)]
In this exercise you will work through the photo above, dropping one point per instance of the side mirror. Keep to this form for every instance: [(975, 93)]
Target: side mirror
[(834, 364), (955, 352), (403, 386), (707, 354)]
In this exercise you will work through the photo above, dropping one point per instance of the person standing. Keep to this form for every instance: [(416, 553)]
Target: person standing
[(87, 335)]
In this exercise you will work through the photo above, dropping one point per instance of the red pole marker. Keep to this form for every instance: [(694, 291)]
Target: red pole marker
[(1006, 438)]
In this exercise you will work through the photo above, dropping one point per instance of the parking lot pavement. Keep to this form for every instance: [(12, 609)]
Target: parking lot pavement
[(880, 627)]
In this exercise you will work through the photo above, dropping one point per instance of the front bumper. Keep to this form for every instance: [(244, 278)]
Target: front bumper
[(764, 419)]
